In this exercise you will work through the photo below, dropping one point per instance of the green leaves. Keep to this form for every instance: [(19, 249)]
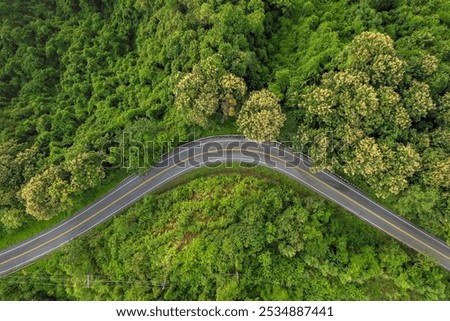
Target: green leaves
[(233, 237), (46, 194), (261, 118), (360, 119), (86, 171), (12, 218), (373, 53), (198, 93)]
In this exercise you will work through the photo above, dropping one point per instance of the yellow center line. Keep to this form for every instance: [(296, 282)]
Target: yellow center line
[(353, 201), (201, 154), (97, 213)]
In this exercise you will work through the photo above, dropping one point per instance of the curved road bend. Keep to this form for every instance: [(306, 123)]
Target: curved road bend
[(223, 149)]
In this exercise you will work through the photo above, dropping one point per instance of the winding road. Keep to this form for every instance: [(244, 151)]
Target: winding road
[(223, 149)]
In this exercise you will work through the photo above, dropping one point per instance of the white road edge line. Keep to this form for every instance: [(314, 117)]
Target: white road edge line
[(201, 165), (37, 237), (387, 210)]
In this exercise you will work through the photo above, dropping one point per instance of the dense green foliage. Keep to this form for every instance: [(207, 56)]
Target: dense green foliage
[(76, 74), (366, 91), (261, 118), (361, 86), (232, 238)]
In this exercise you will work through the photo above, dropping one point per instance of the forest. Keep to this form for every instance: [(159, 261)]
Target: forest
[(232, 237), (362, 87)]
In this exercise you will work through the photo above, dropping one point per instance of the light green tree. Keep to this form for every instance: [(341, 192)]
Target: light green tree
[(86, 171), (359, 119), (373, 53), (199, 93), (233, 89), (46, 194), (261, 118), (12, 218)]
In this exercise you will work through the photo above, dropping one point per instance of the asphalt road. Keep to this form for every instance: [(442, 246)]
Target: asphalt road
[(223, 149)]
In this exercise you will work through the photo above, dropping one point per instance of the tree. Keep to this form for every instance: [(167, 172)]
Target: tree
[(373, 53), (46, 194), (418, 101), (233, 91), (198, 93), (261, 118), (12, 218), (386, 170), (422, 204), (86, 171), (360, 119), (9, 179), (17, 165), (436, 168)]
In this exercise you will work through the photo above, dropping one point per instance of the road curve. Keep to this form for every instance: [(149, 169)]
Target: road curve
[(223, 149)]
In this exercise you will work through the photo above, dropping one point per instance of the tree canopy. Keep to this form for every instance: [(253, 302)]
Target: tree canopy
[(261, 118), (91, 91), (233, 237)]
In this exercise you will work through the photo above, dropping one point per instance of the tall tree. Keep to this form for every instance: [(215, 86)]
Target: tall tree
[(359, 120), (46, 194), (199, 93), (85, 170), (261, 118)]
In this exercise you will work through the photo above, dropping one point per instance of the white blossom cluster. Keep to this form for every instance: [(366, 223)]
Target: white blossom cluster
[(261, 118)]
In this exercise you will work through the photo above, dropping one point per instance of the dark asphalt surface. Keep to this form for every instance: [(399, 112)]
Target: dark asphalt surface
[(210, 151)]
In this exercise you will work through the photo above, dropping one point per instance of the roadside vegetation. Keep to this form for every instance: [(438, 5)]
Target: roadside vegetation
[(360, 86), (232, 237)]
